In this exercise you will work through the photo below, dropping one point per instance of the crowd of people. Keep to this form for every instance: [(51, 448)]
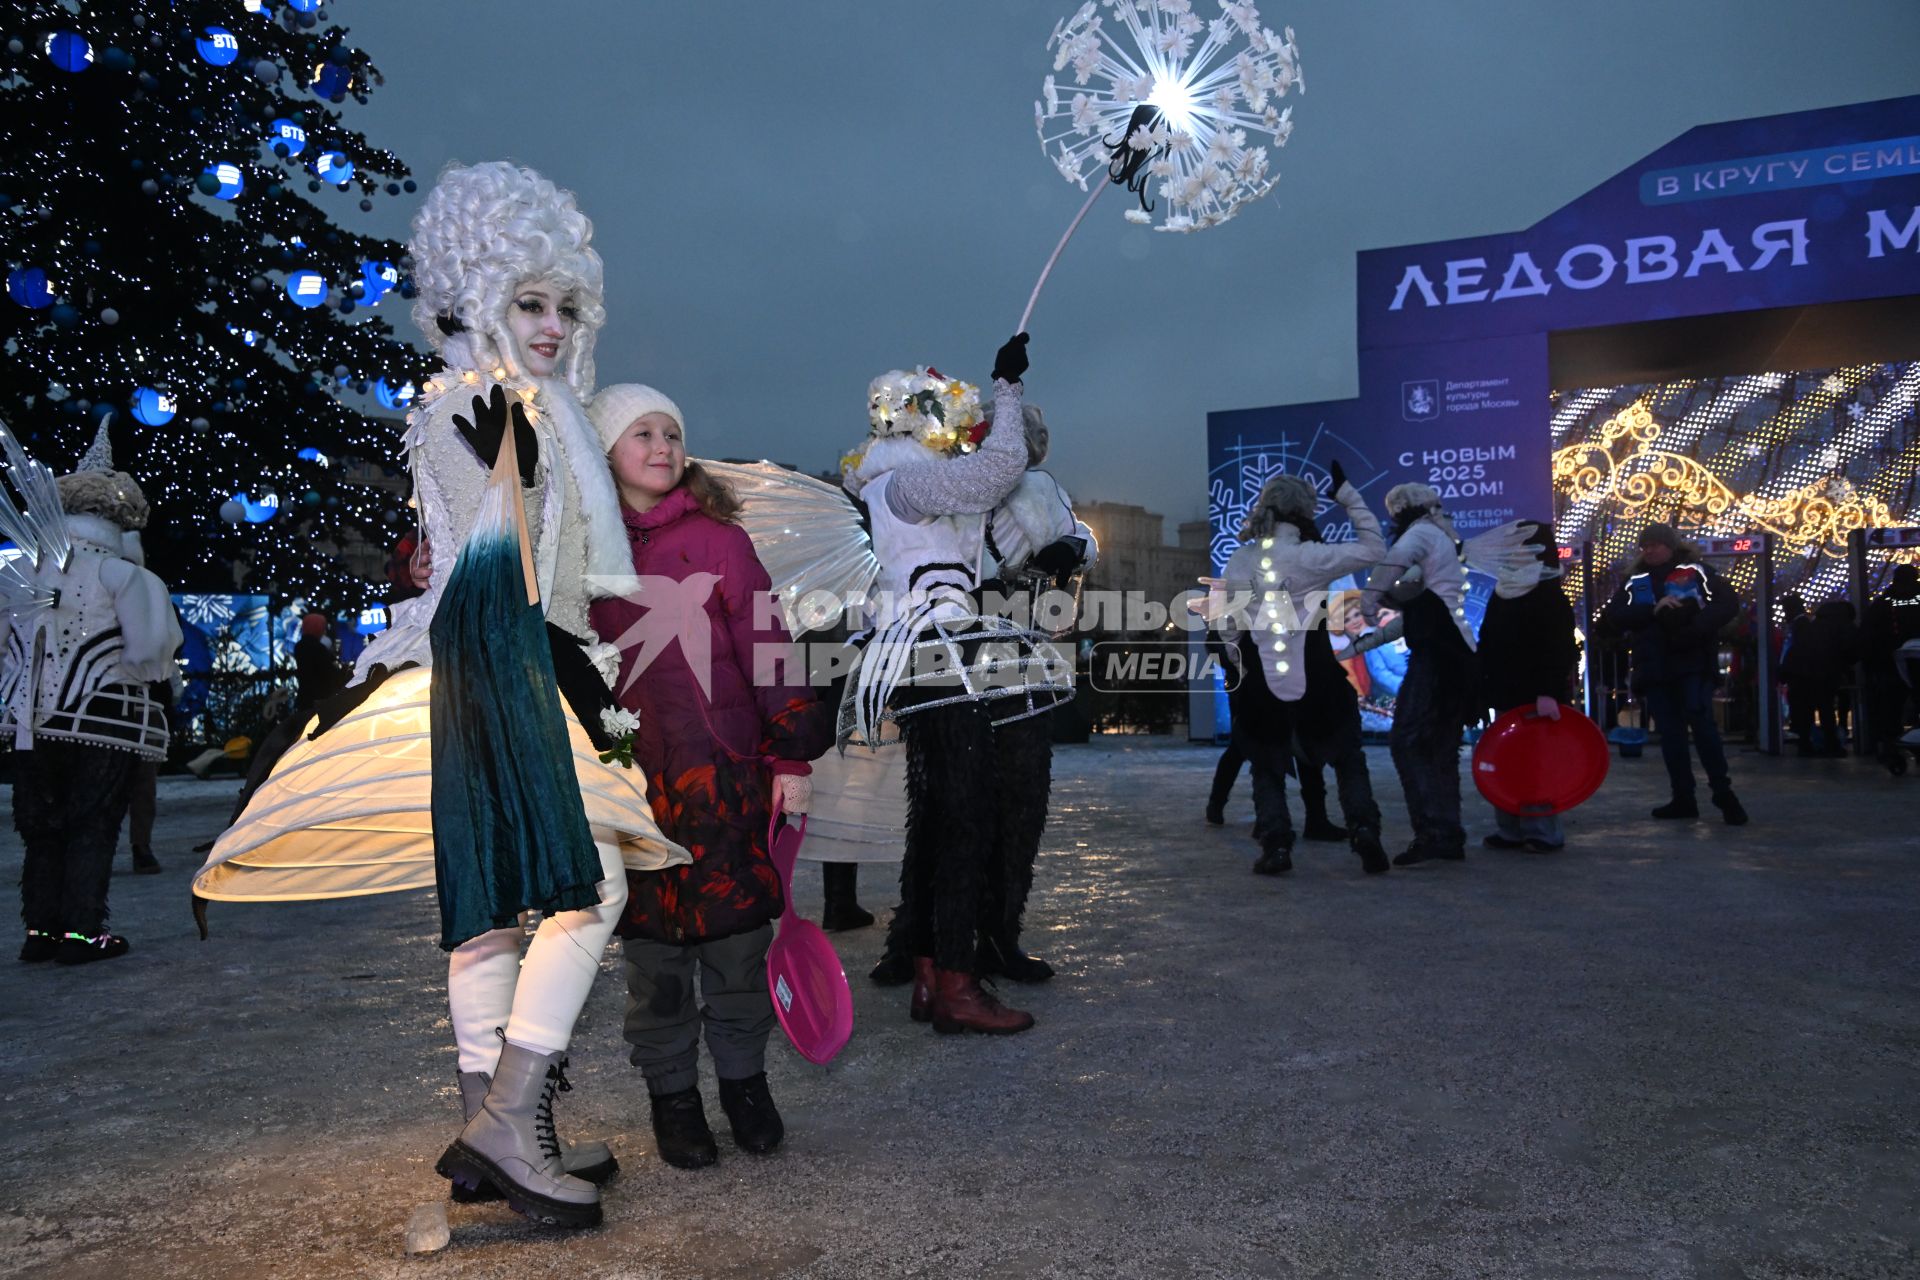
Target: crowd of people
[(1830, 660), (567, 729), (638, 676)]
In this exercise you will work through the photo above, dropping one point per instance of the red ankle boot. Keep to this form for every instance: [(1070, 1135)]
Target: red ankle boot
[(920, 1008), (960, 1005)]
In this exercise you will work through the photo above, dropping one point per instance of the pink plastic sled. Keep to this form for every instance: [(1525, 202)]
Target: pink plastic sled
[(810, 993)]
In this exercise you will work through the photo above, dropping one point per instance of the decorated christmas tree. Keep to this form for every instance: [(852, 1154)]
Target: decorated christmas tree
[(171, 172)]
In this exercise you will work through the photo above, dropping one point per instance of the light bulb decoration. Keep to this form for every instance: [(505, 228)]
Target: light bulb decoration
[(1808, 457)]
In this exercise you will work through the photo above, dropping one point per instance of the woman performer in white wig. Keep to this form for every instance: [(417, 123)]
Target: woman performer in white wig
[(510, 295)]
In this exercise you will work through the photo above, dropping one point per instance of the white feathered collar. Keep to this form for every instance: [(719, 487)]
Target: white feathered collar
[(888, 453), (609, 554)]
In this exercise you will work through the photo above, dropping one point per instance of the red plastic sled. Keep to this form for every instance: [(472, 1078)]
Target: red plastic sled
[(1527, 765)]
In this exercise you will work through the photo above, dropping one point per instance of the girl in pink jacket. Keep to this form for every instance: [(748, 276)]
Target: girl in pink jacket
[(725, 718)]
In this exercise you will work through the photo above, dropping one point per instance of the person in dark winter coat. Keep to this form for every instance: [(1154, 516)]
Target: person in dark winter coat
[(1826, 647), (1423, 572), (1527, 657), (1796, 619), (1292, 689), (1670, 611), (1885, 693), (705, 663), (316, 668)]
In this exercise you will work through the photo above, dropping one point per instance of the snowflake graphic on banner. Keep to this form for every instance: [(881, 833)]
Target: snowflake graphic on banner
[(1229, 499), (207, 611)]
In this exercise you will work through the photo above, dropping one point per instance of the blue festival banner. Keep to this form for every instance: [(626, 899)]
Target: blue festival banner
[(1792, 210)]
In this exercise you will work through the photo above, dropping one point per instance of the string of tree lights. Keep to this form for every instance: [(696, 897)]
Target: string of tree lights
[(163, 168), (1808, 456)]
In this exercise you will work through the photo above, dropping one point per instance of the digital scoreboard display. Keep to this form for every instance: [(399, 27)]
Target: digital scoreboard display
[(1746, 544)]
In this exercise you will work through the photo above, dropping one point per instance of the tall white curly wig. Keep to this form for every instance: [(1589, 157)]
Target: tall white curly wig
[(486, 230)]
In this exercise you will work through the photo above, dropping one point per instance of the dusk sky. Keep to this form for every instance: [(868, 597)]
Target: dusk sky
[(793, 198)]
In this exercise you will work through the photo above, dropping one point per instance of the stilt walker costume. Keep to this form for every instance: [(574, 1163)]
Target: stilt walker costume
[(1425, 574), (87, 629), (967, 691), (1292, 689), (467, 752), (1034, 547)]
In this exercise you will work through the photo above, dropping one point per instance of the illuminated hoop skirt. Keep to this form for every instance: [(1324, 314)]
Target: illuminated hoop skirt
[(350, 813)]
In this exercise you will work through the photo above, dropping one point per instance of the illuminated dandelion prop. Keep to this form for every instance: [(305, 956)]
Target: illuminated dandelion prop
[(1176, 109)]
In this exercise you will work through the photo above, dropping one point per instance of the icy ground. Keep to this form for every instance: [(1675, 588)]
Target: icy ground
[(1672, 1051)]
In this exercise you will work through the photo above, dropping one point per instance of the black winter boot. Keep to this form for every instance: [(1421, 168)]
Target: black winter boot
[(894, 970), (680, 1130), (78, 948), (756, 1123), (1322, 828), (1366, 843), (896, 957), (40, 945), (999, 958), (842, 911), (1732, 812), (1680, 807), (144, 863), (1277, 859)]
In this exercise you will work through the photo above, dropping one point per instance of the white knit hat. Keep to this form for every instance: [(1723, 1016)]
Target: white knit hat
[(614, 408)]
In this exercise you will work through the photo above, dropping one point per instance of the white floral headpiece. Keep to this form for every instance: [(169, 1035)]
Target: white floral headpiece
[(938, 411)]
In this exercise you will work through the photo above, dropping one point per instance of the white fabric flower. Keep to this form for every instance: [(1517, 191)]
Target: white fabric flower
[(605, 659), (619, 722)]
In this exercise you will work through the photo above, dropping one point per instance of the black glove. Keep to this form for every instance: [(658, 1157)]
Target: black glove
[(1336, 477), (1010, 362), (489, 427), (1058, 559)]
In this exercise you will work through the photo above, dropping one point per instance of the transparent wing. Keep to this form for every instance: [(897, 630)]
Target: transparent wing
[(807, 533), (1501, 551), (36, 522)]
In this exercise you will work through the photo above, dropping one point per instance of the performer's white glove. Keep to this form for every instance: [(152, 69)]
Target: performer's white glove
[(1546, 707), (795, 791)]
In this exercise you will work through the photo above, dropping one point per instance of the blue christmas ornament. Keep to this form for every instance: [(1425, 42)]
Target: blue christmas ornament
[(258, 512), (307, 288), (289, 134), (218, 46), (227, 178), (69, 51), (28, 286), (304, 6), (380, 279), (152, 408), (330, 80), (334, 167), (392, 397)]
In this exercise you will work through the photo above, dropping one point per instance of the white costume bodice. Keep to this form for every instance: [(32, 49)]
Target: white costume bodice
[(933, 560), (111, 630)]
